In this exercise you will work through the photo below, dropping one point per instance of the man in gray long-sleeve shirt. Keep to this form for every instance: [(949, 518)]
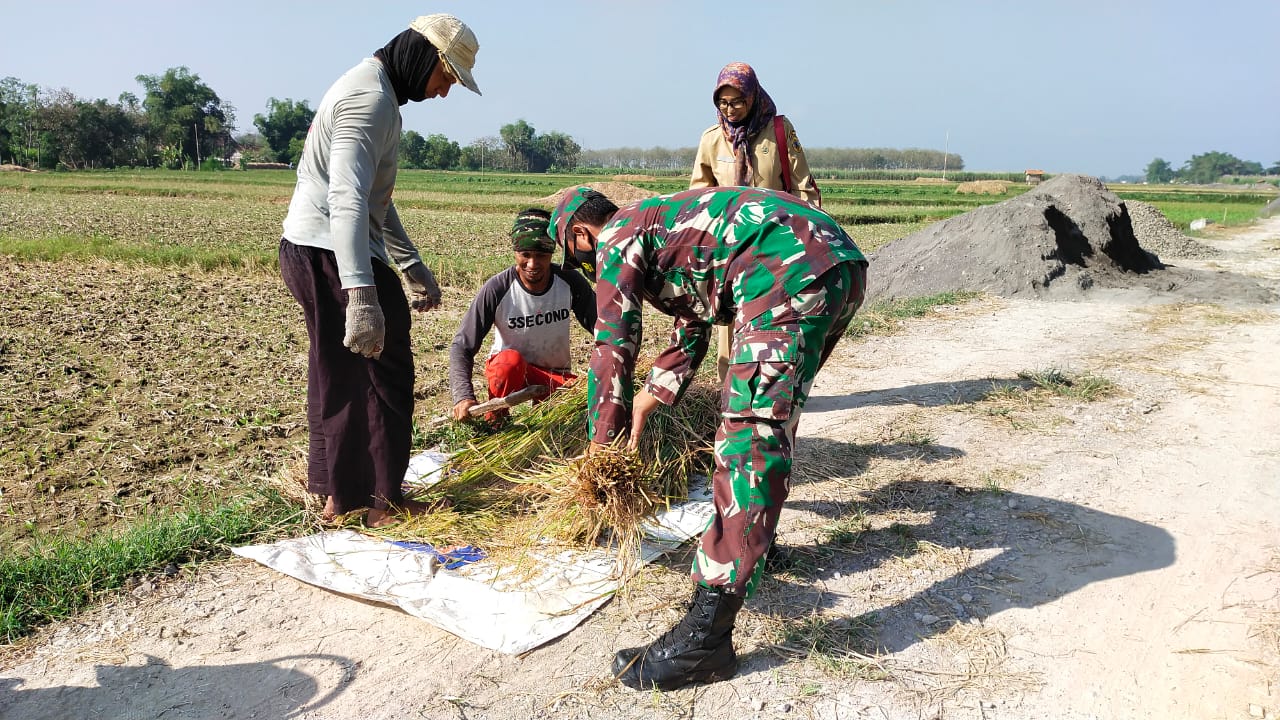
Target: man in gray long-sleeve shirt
[(340, 237)]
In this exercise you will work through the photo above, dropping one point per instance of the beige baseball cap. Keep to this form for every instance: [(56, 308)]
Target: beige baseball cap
[(456, 43)]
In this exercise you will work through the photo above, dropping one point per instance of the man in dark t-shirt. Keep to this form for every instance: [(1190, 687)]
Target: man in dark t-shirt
[(529, 307)]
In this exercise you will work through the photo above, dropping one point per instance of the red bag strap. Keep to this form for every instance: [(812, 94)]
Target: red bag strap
[(783, 156)]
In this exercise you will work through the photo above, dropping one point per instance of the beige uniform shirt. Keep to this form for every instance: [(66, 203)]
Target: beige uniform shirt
[(713, 166)]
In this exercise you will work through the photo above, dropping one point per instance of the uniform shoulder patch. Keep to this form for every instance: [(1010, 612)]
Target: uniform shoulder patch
[(795, 139)]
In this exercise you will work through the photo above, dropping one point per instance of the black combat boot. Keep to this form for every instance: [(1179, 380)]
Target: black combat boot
[(698, 649)]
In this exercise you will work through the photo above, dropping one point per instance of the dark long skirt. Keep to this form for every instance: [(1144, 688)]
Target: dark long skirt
[(359, 410)]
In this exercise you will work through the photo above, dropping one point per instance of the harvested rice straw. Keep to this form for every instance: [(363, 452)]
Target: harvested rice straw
[(676, 443), (521, 486), (606, 492)]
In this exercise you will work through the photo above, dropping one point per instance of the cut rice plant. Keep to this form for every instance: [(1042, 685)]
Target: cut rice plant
[(529, 481), (603, 497)]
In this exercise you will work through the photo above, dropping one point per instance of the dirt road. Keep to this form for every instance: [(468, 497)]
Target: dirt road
[(962, 554)]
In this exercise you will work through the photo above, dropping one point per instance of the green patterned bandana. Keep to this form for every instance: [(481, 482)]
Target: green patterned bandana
[(563, 214), (530, 232)]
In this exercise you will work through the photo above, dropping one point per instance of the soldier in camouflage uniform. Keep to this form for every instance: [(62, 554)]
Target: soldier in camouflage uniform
[(788, 279)]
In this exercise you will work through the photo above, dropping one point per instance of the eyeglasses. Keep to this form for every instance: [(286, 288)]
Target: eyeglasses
[(736, 104)]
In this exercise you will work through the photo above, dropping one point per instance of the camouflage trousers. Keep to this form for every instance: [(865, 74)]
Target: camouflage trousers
[(773, 361)]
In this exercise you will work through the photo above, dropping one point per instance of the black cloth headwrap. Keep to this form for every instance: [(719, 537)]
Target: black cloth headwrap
[(409, 59)]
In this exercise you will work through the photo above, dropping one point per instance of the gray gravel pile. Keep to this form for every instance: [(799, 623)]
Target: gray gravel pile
[(1156, 234), (1059, 240), (1066, 236)]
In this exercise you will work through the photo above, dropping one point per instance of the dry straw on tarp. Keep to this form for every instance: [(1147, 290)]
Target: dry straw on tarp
[(528, 482)]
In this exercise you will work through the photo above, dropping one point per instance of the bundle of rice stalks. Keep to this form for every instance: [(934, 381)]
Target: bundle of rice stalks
[(529, 482), (605, 492)]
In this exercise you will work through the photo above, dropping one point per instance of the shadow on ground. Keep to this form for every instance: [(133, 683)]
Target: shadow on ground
[(278, 688), (1037, 550), (923, 394)]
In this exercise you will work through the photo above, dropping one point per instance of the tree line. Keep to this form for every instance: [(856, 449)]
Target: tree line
[(1206, 168), (177, 122), (180, 122)]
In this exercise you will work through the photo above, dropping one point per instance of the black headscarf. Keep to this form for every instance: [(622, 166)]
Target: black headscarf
[(409, 58)]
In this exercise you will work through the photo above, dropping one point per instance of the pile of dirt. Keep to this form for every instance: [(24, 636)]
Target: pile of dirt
[(1059, 240), (983, 187), (619, 192), (932, 180), (6, 167), (626, 178), (1155, 233)]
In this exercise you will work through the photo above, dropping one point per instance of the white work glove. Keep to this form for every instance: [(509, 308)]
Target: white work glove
[(366, 326), (422, 283)]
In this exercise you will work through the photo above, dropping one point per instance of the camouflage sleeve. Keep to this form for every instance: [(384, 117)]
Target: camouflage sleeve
[(619, 329), (675, 368)]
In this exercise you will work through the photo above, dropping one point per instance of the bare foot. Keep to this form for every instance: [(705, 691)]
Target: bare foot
[(328, 514), (382, 518)]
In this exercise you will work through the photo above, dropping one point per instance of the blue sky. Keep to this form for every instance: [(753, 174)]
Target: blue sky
[(1093, 86)]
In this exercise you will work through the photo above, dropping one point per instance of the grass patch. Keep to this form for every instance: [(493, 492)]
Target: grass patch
[(886, 317), (1016, 400), (1032, 386), (836, 646), (994, 484), (846, 530), (60, 248), (58, 577), (1086, 387)]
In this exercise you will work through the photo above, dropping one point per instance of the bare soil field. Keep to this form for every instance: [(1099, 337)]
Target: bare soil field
[(966, 545)]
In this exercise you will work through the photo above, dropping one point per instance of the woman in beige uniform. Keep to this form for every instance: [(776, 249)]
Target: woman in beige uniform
[(751, 145)]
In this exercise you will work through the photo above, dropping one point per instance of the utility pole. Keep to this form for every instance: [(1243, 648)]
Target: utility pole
[(195, 127), (946, 150)]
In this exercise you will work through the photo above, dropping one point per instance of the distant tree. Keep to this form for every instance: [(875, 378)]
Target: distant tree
[(412, 149), (77, 134), (1159, 171), (633, 158), (1274, 169), (186, 119), (1249, 167), (250, 142), (1210, 167), (484, 153), (286, 120), (554, 150), (253, 148), (440, 153), (295, 149), (882, 159), (519, 140), (19, 133)]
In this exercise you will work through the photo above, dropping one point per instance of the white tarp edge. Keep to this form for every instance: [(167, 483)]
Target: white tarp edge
[(476, 602)]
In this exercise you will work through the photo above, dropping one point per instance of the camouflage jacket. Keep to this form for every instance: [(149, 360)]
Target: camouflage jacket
[(711, 255)]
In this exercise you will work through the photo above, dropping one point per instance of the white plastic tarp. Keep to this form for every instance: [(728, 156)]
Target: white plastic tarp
[(506, 611)]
